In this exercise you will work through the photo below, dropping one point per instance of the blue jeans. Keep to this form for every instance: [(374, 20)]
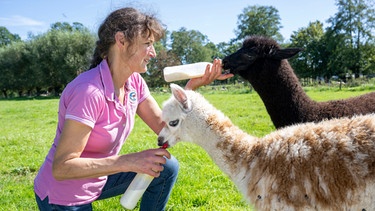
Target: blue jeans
[(155, 197)]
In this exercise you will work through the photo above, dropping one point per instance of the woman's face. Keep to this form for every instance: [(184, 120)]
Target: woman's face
[(141, 53)]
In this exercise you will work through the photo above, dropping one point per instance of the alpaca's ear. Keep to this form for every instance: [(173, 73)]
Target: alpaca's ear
[(286, 53), (181, 97)]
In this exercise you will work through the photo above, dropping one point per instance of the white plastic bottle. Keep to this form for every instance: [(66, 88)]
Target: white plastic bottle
[(135, 190), (187, 71)]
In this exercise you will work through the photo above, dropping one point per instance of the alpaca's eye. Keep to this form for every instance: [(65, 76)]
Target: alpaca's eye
[(174, 123)]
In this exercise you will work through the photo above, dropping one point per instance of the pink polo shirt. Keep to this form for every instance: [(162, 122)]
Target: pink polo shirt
[(91, 100)]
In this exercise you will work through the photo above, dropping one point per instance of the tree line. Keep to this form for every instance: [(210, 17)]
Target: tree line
[(48, 61)]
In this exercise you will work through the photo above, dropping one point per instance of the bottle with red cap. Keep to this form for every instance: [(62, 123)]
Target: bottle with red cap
[(136, 189)]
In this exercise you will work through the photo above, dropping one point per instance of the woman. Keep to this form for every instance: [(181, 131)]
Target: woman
[(96, 114)]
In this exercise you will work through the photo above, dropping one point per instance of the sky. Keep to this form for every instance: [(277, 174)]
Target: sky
[(215, 19)]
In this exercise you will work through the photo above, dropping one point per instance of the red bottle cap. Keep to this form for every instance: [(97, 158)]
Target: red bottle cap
[(165, 145)]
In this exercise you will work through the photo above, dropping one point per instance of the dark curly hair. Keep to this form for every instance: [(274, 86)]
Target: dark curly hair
[(129, 21)]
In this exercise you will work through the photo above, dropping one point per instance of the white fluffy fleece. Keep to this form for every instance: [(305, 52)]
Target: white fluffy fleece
[(328, 165)]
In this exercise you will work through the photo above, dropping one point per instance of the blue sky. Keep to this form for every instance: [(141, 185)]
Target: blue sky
[(216, 19)]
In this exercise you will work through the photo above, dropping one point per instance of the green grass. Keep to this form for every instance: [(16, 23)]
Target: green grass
[(27, 128)]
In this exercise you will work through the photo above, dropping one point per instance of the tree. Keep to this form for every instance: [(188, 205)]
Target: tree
[(7, 76), (63, 55), (368, 64), (15, 72), (352, 28), (259, 20), (60, 55), (65, 26), (311, 62), (47, 61), (6, 37), (191, 46)]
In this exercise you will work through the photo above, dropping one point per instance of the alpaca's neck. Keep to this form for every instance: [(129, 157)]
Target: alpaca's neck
[(280, 88), (282, 95), (224, 142)]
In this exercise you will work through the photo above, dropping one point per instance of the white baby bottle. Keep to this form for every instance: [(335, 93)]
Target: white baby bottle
[(135, 190), (187, 71)]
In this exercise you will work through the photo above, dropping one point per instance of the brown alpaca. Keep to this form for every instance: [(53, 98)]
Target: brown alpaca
[(264, 64), (313, 166)]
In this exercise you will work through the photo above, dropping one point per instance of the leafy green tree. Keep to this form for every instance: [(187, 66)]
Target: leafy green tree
[(191, 46), (368, 64), (311, 62), (259, 20), (7, 63), (61, 26), (6, 37), (35, 76), (65, 26), (46, 61), (62, 55), (15, 75), (228, 48), (351, 31)]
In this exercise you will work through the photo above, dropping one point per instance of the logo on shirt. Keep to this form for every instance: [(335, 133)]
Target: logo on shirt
[(133, 96)]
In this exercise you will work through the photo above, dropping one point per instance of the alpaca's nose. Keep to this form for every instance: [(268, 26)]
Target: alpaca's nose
[(225, 63), (160, 141)]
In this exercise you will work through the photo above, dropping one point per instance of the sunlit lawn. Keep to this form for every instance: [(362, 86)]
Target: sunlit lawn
[(27, 128)]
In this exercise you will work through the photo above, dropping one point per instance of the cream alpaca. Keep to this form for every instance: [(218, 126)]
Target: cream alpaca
[(313, 166)]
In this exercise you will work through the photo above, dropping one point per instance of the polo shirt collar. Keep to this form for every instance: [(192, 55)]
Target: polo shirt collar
[(105, 73)]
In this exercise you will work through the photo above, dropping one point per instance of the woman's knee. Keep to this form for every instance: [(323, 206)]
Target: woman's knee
[(171, 167)]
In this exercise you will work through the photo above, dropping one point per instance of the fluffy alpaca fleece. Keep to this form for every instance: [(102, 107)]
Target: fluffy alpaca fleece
[(313, 166), (264, 64)]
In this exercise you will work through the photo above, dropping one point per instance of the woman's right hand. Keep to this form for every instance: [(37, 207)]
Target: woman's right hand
[(147, 162), (212, 72)]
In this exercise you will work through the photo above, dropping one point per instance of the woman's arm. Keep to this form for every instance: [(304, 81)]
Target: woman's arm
[(68, 164), (150, 113)]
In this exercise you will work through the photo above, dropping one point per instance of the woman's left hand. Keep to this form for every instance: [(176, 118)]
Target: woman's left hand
[(211, 74)]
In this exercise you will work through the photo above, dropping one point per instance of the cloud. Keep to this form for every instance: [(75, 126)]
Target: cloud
[(17, 20)]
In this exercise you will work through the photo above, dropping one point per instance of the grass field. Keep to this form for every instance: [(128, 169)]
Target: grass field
[(27, 128)]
